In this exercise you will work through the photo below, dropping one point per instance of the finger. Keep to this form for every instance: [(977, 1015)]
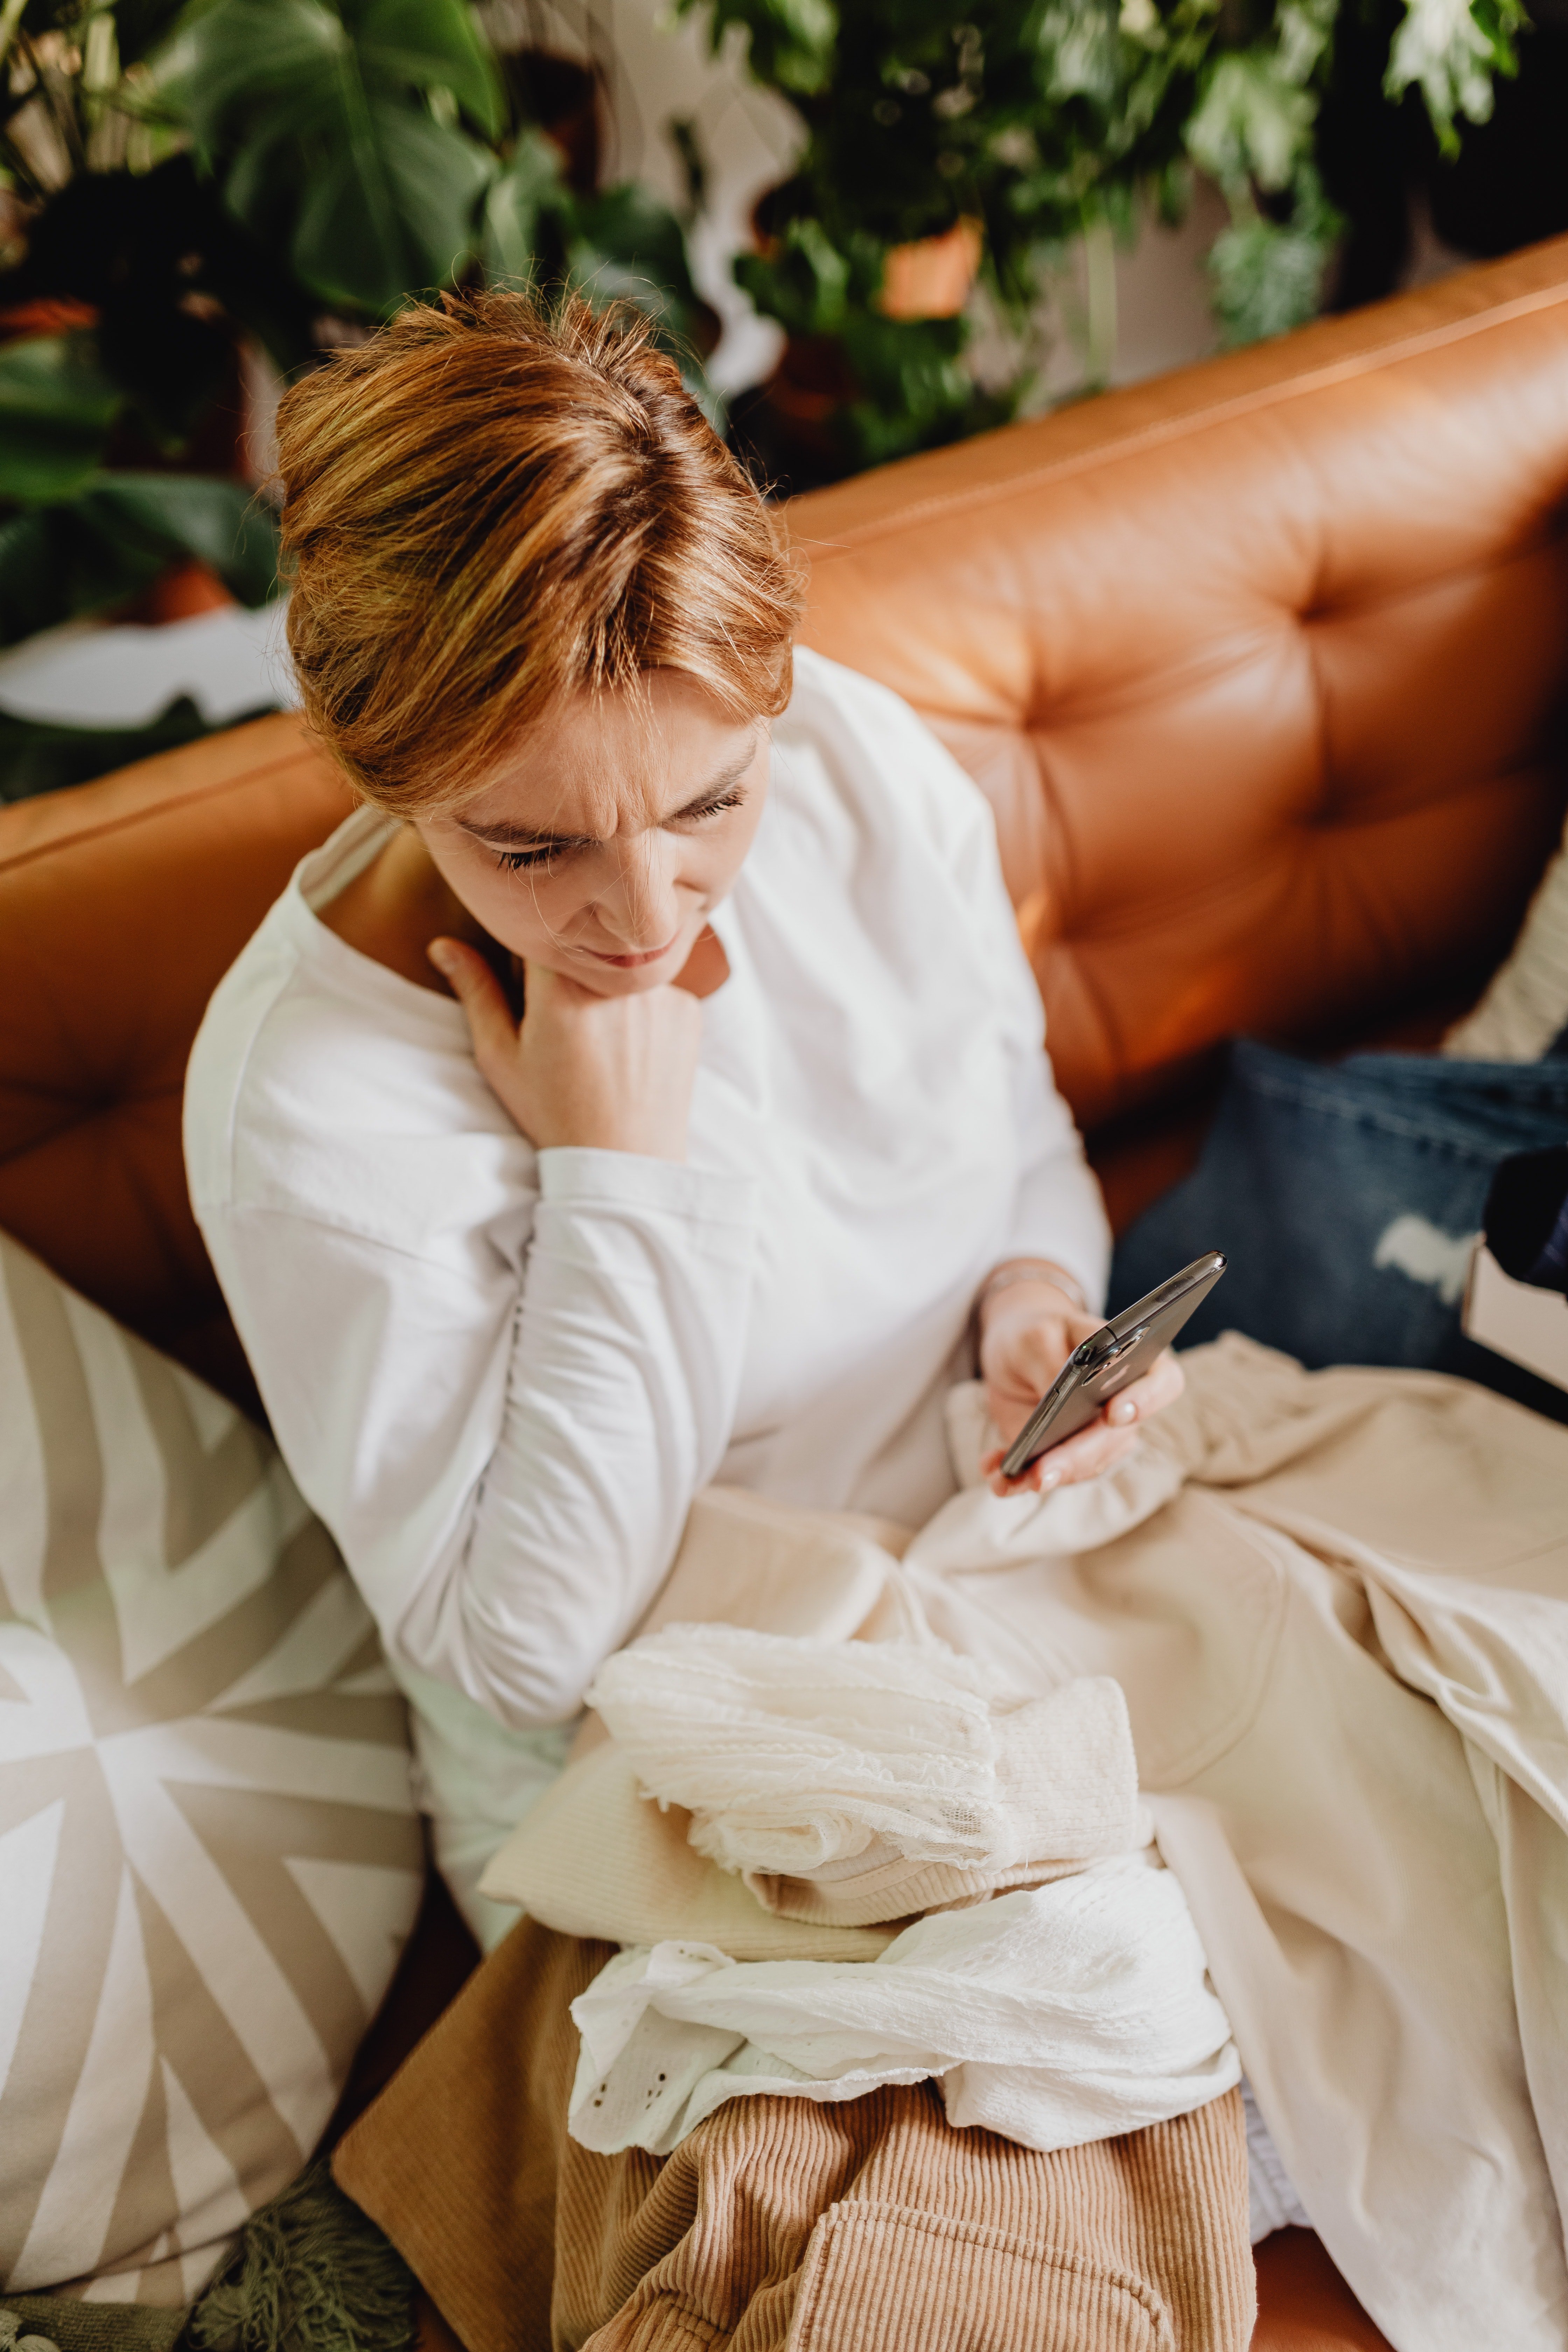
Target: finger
[(1165, 1382), (1038, 1478), (1009, 1413), (479, 991), (1161, 1385), (1035, 1355), (544, 990), (1108, 1439), (1093, 1452)]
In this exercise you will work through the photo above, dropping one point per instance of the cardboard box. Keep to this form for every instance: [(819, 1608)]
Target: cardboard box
[(1530, 1326)]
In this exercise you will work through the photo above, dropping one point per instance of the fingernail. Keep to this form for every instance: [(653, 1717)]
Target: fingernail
[(1124, 1410), (1049, 1478), (440, 955)]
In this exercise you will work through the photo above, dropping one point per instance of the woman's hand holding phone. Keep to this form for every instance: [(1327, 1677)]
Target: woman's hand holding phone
[(1027, 1330)]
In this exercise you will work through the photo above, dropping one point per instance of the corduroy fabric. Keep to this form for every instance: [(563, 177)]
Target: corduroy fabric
[(780, 2225)]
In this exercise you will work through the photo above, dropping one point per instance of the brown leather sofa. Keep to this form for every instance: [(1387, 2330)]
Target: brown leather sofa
[(1260, 664)]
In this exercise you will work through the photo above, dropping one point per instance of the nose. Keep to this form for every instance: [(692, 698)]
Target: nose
[(639, 904)]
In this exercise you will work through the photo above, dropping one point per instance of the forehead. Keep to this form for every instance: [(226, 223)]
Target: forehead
[(616, 761)]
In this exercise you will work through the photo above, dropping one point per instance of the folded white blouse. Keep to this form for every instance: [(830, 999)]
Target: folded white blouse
[(852, 1781), (1055, 2015), (799, 1757)]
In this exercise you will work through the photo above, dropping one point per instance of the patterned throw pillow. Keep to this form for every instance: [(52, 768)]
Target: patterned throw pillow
[(210, 1854)]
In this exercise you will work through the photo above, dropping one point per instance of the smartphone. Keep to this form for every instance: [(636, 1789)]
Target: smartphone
[(1111, 1358)]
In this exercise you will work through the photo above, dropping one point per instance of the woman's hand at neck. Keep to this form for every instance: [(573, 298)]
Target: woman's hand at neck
[(593, 858), (597, 1073), (609, 1074)]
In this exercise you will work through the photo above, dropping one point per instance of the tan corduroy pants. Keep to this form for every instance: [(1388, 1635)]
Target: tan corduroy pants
[(869, 2226)]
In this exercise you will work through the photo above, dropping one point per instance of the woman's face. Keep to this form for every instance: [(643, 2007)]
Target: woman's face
[(603, 845)]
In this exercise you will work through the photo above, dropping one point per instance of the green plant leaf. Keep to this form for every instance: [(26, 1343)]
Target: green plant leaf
[(222, 523), (56, 407), (792, 42), (632, 230), (56, 377), (431, 45), (1079, 46), (228, 60), (331, 149), (392, 212), (529, 186), (1451, 53), (804, 285), (115, 537), (1268, 276), (1251, 121)]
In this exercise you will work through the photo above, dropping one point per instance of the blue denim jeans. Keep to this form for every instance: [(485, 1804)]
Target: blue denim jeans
[(1345, 1196)]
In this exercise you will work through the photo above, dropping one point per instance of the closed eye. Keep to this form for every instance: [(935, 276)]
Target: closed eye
[(731, 800), (551, 852), (520, 861)]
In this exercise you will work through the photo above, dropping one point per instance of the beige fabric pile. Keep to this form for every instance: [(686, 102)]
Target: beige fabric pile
[(1337, 1605)]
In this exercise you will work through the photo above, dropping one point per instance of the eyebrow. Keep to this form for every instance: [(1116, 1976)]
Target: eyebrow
[(524, 836)]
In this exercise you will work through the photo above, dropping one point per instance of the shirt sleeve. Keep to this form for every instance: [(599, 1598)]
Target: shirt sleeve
[(506, 1454), (1059, 1210)]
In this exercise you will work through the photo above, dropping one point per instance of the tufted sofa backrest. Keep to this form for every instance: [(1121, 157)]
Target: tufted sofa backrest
[(122, 904), (1259, 664)]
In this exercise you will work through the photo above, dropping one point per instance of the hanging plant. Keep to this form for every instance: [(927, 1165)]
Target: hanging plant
[(1041, 124)]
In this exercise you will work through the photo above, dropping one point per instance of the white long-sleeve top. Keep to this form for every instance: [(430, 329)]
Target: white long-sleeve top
[(500, 1374)]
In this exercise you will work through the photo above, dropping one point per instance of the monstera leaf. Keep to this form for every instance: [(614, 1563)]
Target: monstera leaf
[(337, 132), (525, 211)]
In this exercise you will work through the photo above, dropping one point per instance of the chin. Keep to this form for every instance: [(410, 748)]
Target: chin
[(622, 979), (624, 984)]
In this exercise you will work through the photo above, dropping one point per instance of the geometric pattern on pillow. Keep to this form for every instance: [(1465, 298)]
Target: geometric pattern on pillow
[(209, 1852)]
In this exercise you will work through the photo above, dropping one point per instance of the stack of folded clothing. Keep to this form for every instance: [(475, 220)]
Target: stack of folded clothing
[(1014, 1934)]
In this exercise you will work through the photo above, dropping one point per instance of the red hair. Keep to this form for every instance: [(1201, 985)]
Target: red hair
[(493, 504)]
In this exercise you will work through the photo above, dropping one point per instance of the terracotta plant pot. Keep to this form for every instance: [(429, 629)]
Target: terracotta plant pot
[(929, 278), (48, 315), (811, 384), (789, 425), (187, 589), (932, 279)]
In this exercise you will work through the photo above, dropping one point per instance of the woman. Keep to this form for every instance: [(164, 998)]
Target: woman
[(774, 1144)]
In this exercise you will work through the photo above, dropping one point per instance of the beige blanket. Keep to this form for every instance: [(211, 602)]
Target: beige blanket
[(1338, 1606)]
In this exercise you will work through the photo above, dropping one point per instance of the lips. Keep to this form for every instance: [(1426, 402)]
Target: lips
[(632, 963)]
